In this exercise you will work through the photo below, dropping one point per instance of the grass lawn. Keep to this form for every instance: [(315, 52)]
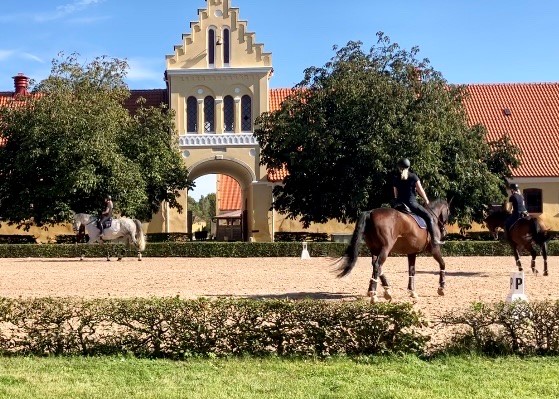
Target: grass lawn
[(408, 377)]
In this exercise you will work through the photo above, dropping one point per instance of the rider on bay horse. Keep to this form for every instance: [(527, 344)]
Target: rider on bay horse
[(518, 207), (406, 186)]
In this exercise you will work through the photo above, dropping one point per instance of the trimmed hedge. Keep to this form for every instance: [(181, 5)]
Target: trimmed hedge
[(176, 328), (519, 328), (242, 249)]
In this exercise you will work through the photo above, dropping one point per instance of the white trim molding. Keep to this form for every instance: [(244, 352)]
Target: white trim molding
[(217, 140)]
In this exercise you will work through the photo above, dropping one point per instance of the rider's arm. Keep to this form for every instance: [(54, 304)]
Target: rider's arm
[(419, 189)]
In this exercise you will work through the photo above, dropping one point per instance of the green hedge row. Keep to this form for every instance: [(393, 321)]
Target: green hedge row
[(241, 249), (176, 328), (519, 328)]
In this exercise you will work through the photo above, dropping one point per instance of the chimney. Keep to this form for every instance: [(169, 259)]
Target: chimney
[(21, 82)]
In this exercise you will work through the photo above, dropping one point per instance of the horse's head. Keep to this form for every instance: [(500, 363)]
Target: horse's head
[(79, 222), (496, 220), (441, 210)]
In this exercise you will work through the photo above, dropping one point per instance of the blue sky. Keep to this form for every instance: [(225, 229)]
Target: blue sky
[(469, 41)]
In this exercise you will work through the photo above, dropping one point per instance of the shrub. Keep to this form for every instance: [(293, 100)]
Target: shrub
[(177, 328)]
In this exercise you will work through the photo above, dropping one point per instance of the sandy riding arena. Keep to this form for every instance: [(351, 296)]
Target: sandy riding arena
[(468, 279)]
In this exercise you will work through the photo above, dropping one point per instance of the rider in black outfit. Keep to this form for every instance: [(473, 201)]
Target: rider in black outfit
[(406, 186), (518, 207)]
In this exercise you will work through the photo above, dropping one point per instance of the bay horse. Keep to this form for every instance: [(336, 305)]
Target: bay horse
[(523, 234), (386, 231), (122, 230)]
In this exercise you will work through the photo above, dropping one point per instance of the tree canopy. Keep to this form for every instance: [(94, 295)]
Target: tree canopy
[(346, 124), (73, 142)]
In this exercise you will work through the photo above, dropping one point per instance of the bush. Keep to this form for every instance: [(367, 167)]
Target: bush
[(176, 328), (520, 328), (17, 239), (206, 249), (301, 236)]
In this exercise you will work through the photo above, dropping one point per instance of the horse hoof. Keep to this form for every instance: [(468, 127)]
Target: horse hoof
[(413, 295), (369, 294), (440, 291), (546, 273), (119, 259), (387, 295), (374, 299)]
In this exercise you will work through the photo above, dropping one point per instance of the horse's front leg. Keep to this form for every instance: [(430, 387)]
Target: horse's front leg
[(516, 256), (544, 255), (534, 254), (411, 275), (442, 269)]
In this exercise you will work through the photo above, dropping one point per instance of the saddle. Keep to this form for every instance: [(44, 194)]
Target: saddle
[(401, 207), (107, 223)]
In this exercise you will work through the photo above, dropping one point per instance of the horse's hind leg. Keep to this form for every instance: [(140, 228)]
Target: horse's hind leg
[(442, 269), (378, 261)]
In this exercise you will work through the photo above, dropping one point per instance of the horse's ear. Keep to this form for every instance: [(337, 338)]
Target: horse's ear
[(450, 202)]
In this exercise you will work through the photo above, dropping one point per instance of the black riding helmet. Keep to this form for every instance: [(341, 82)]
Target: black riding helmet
[(404, 163), (514, 186), (108, 197)]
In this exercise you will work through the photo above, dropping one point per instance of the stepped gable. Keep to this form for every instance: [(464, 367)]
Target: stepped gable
[(192, 52)]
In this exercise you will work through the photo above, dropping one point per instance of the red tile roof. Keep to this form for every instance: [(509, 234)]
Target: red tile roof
[(529, 114), (154, 98), (228, 194), (277, 96)]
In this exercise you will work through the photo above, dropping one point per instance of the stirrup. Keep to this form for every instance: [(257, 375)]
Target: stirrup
[(437, 242)]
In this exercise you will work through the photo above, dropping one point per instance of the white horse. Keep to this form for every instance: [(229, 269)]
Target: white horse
[(122, 230)]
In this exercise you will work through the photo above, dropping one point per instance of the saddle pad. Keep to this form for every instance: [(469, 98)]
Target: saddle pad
[(420, 221), (107, 223)]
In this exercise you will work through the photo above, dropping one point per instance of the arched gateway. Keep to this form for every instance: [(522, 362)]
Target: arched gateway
[(217, 83)]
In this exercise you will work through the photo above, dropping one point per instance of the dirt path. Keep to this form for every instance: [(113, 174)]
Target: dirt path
[(469, 279)]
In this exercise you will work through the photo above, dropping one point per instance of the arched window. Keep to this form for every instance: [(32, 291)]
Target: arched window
[(191, 114), (211, 47), (228, 114), (246, 113), (209, 114), (533, 199), (226, 46)]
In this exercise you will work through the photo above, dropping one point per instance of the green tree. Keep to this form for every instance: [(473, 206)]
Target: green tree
[(341, 132), (204, 208), (73, 142)]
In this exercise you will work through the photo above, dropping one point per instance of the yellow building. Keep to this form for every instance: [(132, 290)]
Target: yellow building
[(218, 82)]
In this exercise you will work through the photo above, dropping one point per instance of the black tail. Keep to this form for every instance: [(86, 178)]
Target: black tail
[(352, 252), (539, 233)]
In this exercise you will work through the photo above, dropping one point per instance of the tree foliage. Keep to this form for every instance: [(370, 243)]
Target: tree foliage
[(204, 208), (73, 142), (341, 132)]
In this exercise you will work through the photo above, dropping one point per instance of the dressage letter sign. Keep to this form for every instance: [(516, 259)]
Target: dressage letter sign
[(516, 287)]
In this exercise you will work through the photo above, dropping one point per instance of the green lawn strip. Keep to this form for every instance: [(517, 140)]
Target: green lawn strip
[(407, 377)]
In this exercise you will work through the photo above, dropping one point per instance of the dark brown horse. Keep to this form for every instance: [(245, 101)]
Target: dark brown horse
[(523, 234), (387, 231)]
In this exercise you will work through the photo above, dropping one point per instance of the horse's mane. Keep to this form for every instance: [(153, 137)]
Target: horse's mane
[(437, 202)]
